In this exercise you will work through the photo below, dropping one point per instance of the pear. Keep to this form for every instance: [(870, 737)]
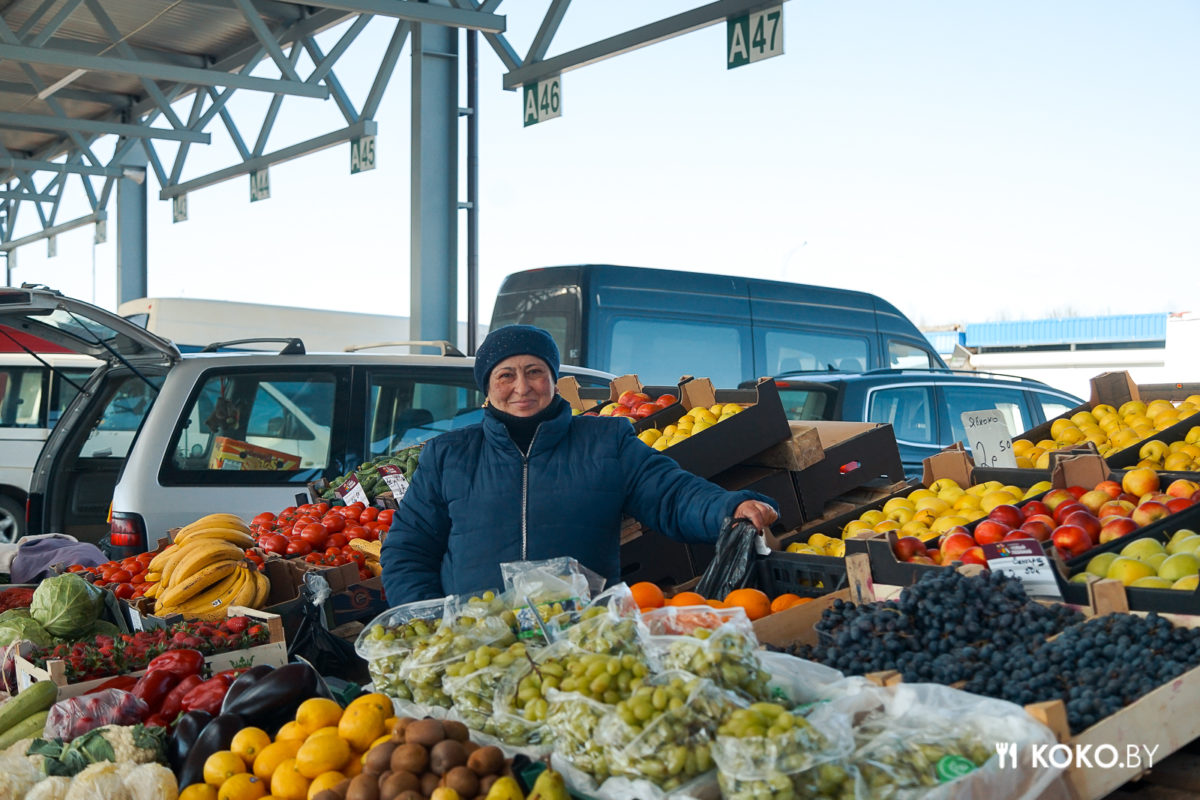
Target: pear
[(506, 788), (549, 786)]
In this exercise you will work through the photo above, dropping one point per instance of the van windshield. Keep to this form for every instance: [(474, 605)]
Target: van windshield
[(553, 308)]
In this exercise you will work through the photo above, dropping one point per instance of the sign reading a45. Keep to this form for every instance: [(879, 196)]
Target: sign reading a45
[(543, 100)]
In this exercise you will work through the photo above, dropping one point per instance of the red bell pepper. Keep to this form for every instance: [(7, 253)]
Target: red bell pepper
[(172, 704), (153, 688), (122, 682), (208, 696), (180, 663)]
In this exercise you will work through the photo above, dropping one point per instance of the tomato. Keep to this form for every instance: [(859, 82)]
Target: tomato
[(333, 522), (265, 518), (288, 510), (369, 533), (273, 543), (358, 557), (130, 563), (298, 547), (321, 507), (368, 515), (315, 534), (138, 578), (145, 558), (314, 558), (386, 516), (336, 540), (77, 568), (306, 519), (100, 582), (118, 576), (354, 532), (356, 507)]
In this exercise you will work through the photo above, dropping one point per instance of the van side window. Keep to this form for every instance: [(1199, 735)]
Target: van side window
[(675, 349), (63, 391), (909, 410), (120, 416), (21, 397), (257, 421), (902, 355), (800, 351), (1009, 402), (405, 411)]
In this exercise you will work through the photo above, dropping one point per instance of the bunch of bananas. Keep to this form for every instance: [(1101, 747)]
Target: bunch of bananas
[(371, 551), (205, 571)]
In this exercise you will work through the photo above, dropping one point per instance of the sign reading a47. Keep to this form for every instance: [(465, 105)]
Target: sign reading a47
[(753, 37), (543, 100)]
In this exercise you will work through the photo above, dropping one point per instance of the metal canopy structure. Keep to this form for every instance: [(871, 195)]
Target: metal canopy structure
[(99, 92)]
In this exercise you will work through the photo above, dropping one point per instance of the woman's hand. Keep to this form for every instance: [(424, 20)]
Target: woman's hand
[(761, 515)]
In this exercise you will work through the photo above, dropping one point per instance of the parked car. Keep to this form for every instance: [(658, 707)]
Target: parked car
[(923, 406), (241, 432)]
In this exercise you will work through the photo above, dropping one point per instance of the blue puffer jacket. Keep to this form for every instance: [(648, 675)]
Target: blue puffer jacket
[(476, 502)]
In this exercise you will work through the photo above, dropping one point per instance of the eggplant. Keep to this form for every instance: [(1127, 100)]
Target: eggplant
[(243, 682), (273, 699), (217, 735), (184, 736)]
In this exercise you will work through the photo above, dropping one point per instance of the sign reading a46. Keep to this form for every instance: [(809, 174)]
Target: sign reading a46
[(543, 100)]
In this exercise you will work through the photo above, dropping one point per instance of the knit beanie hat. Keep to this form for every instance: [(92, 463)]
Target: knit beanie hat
[(514, 340)]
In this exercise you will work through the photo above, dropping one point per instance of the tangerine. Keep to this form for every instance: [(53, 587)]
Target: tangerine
[(686, 599), (199, 791), (754, 601), (222, 765), (273, 755), (647, 594), (287, 783), (716, 604), (248, 743), (242, 786)]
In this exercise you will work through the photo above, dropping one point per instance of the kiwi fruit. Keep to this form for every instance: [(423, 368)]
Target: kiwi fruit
[(399, 728), (409, 795), (426, 732), (363, 787), (445, 756), (342, 787), (486, 760), (462, 780), (327, 794), (409, 757), (379, 758), (485, 783), (470, 747), (397, 783), (456, 730), (429, 782)]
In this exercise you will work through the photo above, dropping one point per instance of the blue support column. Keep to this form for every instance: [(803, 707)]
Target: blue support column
[(434, 177), (132, 243)]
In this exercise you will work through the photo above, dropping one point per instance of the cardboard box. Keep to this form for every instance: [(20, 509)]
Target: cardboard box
[(855, 454), (274, 653), (238, 455), (728, 443), (799, 452), (287, 575), (360, 600), (774, 483)]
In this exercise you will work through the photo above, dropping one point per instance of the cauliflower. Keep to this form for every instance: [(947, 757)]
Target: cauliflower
[(54, 788), (17, 775), (130, 744), (103, 780), (151, 782)]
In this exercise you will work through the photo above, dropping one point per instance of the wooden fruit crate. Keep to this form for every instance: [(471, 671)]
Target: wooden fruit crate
[(274, 653)]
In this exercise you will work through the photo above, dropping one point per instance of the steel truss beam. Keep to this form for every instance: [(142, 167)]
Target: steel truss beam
[(54, 230), (416, 12), (45, 122)]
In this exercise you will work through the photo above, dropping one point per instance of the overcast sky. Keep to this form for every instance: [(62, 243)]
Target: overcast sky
[(966, 161)]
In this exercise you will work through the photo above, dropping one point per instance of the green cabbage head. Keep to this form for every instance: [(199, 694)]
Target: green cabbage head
[(66, 605)]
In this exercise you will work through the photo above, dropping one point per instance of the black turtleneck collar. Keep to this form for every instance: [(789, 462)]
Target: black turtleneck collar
[(522, 429)]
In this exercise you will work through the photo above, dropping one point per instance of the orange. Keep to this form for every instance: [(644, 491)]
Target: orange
[(318, 712), (756, 602), (377, 700), (243, 786), (199, 791), (222, 765), (248, 743), (321, 754), (273, 755), (785, 601), (291, 730), (287, 783), (686, 599), (326, 780), (647, 594), (361, 725), (716, 604)]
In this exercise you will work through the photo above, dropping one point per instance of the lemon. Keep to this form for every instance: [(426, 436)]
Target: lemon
[(222, 765)]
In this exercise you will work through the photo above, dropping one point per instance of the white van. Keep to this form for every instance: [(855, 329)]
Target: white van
[(35, 387)]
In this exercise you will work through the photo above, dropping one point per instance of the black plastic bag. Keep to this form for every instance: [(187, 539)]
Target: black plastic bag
[(313, 642), (733, 565)]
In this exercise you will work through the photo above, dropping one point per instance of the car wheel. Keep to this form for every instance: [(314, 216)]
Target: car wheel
[(12, 520)]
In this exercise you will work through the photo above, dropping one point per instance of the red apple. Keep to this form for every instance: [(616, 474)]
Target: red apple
[(1063, 509), (1111, 488), (1036, 529), (1086, 520), (1115, 527), (1019, 533), (665, 400), (1078, 491), (1008, 514), (956, 529), (1094, 499), (908, 546), (1054, 497), (1116, 508), (1177, 504), (1034, 507), (936, 555), (1149, 512), (1046, 518), (1132, 498), (954, 545), (1071, 540), (974, 555), (630, 398), (620, 411), (645, 409), (990, 531), (923, 560)]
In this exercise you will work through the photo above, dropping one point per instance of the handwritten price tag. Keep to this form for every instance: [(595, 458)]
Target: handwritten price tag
[(352, 491), (395, 480), (1025, 560), (989, 438)]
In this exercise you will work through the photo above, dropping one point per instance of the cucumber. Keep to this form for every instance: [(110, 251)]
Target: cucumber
[(29, 728), (37, 697)]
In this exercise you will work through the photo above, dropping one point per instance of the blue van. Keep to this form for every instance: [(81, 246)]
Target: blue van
[(661, 324)]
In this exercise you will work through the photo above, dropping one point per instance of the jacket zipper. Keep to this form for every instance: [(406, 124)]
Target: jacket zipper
[(525, 494)]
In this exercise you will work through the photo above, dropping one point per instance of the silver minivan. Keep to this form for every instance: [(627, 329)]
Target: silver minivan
[(240, 432)]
